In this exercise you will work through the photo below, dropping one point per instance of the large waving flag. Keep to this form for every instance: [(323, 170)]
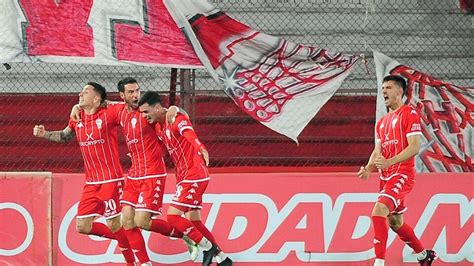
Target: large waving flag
[(446, 113), (279, 83), (119, 32)]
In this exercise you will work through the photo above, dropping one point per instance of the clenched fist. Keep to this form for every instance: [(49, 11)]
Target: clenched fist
[(363, 173), (39, 131)]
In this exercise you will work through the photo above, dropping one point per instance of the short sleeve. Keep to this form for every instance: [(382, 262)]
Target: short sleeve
[(181, 124), (72, 124), (413, 124), (377, 131)]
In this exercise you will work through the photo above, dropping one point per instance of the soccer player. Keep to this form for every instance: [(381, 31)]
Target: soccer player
[(397, 142), (143, 193), (191, 159), (97, 136)]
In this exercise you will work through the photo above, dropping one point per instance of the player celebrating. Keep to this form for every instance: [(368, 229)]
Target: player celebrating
[(397, 142), (143, 192), (97, 136), (190, 158)]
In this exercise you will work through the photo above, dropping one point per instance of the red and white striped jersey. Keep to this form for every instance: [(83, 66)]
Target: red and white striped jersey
[(143, 145), (183, 147), (97, 137), (392, 131)]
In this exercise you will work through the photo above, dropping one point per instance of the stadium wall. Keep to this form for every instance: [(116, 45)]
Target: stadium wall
[(258, 219)]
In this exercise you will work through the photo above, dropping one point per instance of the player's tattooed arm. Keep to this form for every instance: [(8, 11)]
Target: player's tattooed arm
[(106, 103), (64, 135)]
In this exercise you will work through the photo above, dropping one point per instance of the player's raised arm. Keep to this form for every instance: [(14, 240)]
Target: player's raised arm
[(64, 135)]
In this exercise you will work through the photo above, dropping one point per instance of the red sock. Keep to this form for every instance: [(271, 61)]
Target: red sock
[(124, 245), (406, 234), (185, 226), (381, 234), (137, 244), (204, 231), (100, 229), (164, 228)]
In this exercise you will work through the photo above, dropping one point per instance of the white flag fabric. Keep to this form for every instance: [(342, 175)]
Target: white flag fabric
[(119, 32), (281, 84), (446, 113)]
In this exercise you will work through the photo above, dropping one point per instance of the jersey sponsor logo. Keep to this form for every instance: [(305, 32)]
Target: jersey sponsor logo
[(415, 127), (89, 136), (389, 142), (91, 142)]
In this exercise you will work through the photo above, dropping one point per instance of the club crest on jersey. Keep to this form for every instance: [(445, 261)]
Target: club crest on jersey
[(168, 133), (98, 122), (134, 122), (394, 122)]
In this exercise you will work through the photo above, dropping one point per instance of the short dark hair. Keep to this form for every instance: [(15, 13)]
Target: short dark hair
[(398, 80), (121, 84), (99, 89), (149, 97)]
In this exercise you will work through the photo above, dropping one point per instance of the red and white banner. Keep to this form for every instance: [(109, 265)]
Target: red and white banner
[(25, 219), (279, 83), (446, 112), (321, 218), (93, 32)]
